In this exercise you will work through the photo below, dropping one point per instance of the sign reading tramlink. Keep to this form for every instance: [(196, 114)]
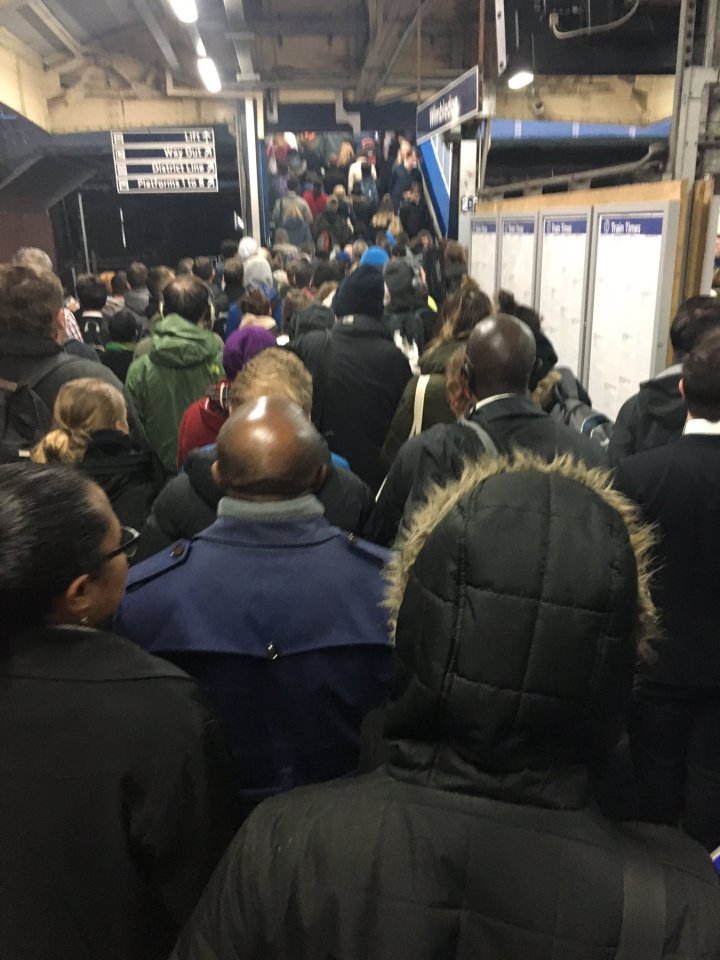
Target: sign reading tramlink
[(454, 104), (165, 161)]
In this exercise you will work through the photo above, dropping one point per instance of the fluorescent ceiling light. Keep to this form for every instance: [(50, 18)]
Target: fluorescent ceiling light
[(200, 48), (209, 74), (520, 79), (185, 10)]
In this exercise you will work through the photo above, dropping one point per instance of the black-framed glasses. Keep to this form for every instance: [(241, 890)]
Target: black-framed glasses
[(128, 544)]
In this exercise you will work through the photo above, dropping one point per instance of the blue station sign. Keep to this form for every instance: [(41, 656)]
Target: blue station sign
[(454, 104)]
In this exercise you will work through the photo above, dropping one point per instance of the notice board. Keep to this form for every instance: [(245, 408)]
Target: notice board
[(564, 239), (483, 253), (517, 257), (633, 260)]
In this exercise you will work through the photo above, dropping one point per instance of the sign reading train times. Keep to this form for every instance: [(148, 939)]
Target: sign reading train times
[(165, 161), (454, 104)]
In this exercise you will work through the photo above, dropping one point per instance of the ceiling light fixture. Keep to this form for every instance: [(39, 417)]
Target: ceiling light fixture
[(200, 48), (520, 79), (209, 74), (185, 10)]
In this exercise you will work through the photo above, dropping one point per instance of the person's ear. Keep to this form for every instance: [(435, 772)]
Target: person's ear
[(58, 331), (75, 604), (320, 478), (217, 475), (681, 388)]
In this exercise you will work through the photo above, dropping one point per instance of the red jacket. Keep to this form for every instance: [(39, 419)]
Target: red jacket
[(199, 427), (316, 204)]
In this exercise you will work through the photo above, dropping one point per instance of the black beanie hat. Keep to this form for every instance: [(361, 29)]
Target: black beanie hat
[(399, 276), (361, 292)]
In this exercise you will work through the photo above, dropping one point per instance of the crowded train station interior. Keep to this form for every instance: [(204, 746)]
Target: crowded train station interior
[(359, 480)]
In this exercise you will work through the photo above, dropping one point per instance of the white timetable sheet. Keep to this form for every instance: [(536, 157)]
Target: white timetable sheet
[(628, 275), (517, 266), (483, 254), (563, 265)]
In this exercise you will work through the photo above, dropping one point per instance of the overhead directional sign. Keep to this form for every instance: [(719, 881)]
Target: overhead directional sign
[(454, 104), (165, 161)]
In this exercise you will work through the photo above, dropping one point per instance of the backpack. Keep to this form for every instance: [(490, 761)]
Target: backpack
[(574, 412), (324, 242), (24, 415), (370, 192)]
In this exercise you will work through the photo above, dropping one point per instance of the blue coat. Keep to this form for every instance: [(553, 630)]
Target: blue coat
[(282, 622)]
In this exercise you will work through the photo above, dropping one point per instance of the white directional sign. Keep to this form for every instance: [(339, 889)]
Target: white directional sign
[(165, 161)]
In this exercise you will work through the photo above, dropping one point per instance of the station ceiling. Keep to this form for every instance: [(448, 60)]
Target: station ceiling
[(75, 60)]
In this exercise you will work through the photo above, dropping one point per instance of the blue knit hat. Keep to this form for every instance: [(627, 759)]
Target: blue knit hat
[(374, 257)]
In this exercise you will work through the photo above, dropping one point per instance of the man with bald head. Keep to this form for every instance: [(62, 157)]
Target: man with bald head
[(499, 361), (276, 612)]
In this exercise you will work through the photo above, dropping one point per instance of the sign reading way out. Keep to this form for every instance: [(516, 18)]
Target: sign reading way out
[(165, 161)]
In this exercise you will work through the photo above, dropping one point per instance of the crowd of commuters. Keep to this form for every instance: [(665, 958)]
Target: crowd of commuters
[(302, 545)]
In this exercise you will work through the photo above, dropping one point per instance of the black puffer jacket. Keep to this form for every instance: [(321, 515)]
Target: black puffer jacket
[(655, 416), (188, 504), (479, 839)]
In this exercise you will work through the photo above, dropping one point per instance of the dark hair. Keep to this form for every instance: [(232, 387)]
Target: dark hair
[(292, 184), (29, 301), (303, 275), (455, 252), (234, 271), (51, 534), (123, 327), (119, 284), (365, 170), (701, 377), (203, 268), (137, 274), (228, 249), (254, 301), (295, 301), (507, 304), (381, 240), (188, 297), (91, 292), (158, 279), (185, 266), (694, 318), (326, 273), (399, 251)]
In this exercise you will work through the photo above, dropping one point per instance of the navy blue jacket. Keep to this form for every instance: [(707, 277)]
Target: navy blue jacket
[(281, 620)]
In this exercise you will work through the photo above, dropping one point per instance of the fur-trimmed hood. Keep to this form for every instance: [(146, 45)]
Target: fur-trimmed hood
[(520, 596)]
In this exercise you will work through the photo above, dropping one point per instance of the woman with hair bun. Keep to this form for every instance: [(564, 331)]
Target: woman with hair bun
[(90, 432)]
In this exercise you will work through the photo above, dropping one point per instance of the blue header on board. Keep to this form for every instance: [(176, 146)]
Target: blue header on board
[(484, 226), (615, 225), (513, 227), (565, 226), (456, 102)]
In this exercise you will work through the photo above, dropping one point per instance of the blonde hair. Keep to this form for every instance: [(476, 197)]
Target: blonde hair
[(273, 373), (347, 154), (81, 408), (340, 192)]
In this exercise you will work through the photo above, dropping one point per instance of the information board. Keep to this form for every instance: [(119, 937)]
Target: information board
[(483, 254), (517, 258), (562, 282), (165, 161), (629, 275)]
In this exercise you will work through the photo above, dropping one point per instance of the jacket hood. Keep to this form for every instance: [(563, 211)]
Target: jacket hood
[(179, 344), (315, 317), (520, 598), (661, 400), (198, 467), (435, 360)]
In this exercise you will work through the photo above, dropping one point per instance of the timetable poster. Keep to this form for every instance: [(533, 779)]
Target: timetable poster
[(518, 258), (483, 255), (562, 282), (628, 270)]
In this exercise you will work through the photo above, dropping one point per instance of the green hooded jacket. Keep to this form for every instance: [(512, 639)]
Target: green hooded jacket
[(182, 362)]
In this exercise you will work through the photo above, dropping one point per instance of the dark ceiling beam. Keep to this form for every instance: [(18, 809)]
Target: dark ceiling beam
[(158, 34), (383, 51)]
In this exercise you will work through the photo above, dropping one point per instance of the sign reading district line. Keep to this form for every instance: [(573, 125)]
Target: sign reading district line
[(179, 160)]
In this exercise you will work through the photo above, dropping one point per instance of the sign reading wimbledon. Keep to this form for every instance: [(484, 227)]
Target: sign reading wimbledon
[(165, 161), (455, 103)]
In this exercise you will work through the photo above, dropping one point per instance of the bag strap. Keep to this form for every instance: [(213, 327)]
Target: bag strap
[(491, 446), (322, 379), (568, 383), (642, 934), (419, 406)]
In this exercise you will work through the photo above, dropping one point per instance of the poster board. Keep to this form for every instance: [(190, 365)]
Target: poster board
[(562, 282), (518, 236), (631, 279), (484, 253)]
